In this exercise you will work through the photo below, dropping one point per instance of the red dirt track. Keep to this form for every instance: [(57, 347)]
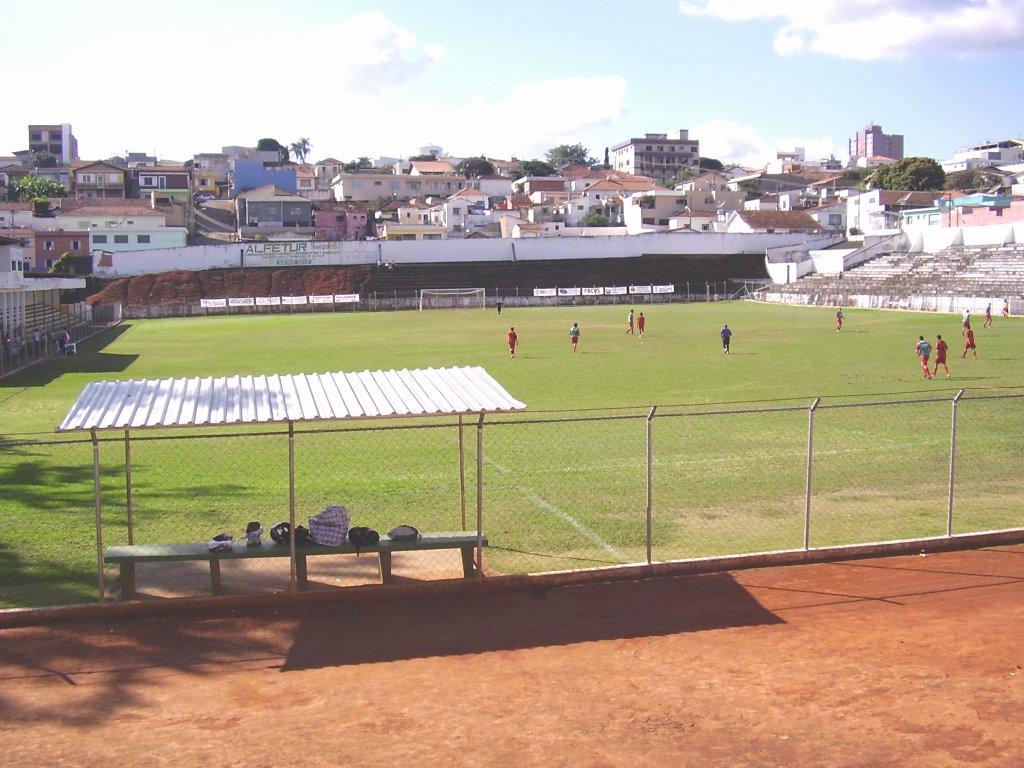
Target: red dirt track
[(900, 661)]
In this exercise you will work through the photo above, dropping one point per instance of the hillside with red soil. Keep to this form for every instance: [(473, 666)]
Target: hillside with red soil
[(182, 286)]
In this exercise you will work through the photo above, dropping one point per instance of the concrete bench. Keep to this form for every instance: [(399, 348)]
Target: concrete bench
[(127, 556)]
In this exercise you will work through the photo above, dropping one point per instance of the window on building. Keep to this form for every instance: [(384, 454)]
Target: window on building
[(456, 211), (85, 178), (76, 245), (49, 264), (121, 239), (99, 238), (48, 245), (142, 238)]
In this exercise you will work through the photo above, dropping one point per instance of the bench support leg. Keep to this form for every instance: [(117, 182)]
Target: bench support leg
[(385, 567), (468, 567), (301, 573), (127, 581), (215, 575)]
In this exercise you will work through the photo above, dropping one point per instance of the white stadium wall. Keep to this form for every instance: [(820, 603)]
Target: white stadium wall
[(354, 253)]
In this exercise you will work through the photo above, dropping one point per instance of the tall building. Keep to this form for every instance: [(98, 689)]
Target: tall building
[(659, 156), (871, 142), (55, 139)]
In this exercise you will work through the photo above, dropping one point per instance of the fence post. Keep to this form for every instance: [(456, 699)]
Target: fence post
[(291, 505), (128, 484), (480, 497), (650, 478), (952, 463), (462, 472), (810, 467), (99, 514)]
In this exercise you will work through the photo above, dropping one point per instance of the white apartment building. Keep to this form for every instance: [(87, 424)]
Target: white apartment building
[(663, 157)]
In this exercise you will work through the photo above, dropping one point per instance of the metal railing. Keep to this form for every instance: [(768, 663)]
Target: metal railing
[(564, 491)]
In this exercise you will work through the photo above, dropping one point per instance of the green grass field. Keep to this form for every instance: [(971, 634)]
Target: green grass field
[(560, 492)]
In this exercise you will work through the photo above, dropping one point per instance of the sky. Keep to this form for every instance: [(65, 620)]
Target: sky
[(746, 78)]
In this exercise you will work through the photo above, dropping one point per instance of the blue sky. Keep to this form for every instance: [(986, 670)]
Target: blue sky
[(745, 77)]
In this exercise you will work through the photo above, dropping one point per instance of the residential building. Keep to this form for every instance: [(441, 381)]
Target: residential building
[(93, 179), (694, 221), (365, 187), (872, 142), (274, 213), (50, 245), (431, 168), (118, 225), (464, 212), (325, 170), (58, 140), (711, 191), (879, 210), (339, 221), (781, 222), (1005, 152), (170, 180), (255, 174), (664, 157)]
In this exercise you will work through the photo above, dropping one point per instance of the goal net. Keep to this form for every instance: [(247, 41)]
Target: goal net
[(452, 298)]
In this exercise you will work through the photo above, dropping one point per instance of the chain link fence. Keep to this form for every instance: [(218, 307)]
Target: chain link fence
[(551, 492)]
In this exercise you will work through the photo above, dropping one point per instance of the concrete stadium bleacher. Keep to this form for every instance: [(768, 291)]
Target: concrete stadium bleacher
[(905, 279)]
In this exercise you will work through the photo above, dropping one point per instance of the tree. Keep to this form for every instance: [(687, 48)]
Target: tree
[(63, 265), (475, 167), (44, 160), (710, 164), (422, 158), (915, 174), (973, 180), (532, 168), (593, 219), (30, 187), (300, 149), (570, 154), (362, 164), (273, 145)]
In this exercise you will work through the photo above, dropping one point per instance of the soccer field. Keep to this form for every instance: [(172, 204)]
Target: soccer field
[(559, 491)]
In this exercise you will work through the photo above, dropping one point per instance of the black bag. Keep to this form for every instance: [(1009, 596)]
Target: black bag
[(403, 533), (281, 533), (360, 537)]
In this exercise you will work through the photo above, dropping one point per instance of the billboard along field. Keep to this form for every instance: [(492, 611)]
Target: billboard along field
[(564, 485)]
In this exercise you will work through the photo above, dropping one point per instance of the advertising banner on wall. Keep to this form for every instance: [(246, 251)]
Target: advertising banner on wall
[(291, 254), (241, 302), (545, 292), (328, 299), (294, 300), (639, 289), (346, 298), (664, 288), (213, 303), (593, 291), (268, 301), (568, 291), (615, 290)]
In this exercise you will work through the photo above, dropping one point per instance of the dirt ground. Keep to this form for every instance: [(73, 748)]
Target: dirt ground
[(902, 661)]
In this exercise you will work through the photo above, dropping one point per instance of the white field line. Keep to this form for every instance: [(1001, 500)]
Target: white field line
[(561, 514)]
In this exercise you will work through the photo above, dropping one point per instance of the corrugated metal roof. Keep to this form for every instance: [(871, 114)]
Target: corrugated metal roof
[(166, 403)]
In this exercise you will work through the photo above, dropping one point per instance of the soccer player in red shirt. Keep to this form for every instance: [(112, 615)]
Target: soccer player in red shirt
[(940, 356), (969, 342), (640, 324), (513, 339), (988, 316)]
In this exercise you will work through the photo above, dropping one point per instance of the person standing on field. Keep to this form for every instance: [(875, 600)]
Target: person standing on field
[(574, 335), (1006, 307), (924, 351), (940, 356), (969, 343), (988, 316), (629, 321), (726, 335), (641, 323), (839, 320), (513, 339), (498, 306)]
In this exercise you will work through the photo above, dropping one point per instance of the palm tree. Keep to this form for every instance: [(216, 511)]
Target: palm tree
[(300, 149)]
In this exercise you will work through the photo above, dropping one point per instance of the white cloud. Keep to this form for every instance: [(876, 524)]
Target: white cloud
[(878, 29), (741, 144)]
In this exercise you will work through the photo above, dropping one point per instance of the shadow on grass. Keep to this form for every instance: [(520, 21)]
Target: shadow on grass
[(90, 359)]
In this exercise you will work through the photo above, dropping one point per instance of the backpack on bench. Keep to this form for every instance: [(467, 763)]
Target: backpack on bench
[(361, 536)]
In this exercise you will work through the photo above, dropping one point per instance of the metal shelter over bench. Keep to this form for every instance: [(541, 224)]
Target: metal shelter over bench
[(198, 402)]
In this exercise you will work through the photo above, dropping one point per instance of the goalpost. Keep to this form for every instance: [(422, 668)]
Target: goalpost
[(452, 298)]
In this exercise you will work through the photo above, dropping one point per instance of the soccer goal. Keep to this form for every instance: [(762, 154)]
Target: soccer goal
[(452, 298)]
